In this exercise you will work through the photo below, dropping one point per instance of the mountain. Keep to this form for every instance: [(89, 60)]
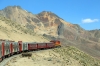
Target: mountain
[(10, 30), (38, 23), (51, 26)]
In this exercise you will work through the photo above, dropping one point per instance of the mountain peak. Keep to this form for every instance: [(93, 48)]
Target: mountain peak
[(9, 7), (48, 13)]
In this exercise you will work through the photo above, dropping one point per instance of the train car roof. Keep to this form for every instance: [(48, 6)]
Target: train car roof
[(55, 40), (38, 42), (44, 42), (15, 42), (31, 42)]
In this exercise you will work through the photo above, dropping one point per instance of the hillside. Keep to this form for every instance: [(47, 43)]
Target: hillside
[(72, 34), (64, 56), (49, 25), (14, 31)]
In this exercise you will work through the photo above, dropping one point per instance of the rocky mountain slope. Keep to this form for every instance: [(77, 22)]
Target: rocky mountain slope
[(52, 26), (14, 31)]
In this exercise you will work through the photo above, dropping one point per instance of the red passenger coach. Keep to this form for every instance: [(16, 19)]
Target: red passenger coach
[(42, 45), (50, 45), (32, 46), (0, 51)]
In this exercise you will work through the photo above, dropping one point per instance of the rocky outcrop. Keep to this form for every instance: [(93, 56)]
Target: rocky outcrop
[(60, 30)]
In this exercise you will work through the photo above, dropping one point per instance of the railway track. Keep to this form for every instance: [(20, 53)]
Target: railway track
[(5, 61)]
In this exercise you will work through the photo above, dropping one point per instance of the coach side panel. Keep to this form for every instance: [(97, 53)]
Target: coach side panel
[(50, 45), (32, 46), (7, 48), (42, 45), (20, 46), (0, 51), (15, 47), (25, 46)]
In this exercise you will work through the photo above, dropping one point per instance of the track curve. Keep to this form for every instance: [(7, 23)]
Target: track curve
[(4, 62)]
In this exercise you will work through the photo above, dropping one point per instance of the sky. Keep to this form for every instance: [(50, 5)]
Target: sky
[(86, 13)]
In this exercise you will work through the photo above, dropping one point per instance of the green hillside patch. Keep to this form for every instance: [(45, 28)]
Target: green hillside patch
[(82, 58)]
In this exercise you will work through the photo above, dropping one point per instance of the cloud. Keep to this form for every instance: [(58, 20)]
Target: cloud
[(88, 20)]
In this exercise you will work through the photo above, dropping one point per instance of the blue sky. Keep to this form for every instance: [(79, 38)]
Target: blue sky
[(86, 13)]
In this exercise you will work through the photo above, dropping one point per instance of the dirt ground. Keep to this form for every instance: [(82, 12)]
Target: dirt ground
[(42, 58)]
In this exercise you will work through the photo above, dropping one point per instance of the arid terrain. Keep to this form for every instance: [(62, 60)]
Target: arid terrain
[(13, 31), (64, 56), (83, 46), (19, 24)]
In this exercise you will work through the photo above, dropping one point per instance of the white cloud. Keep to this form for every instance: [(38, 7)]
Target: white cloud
[(88, 20)]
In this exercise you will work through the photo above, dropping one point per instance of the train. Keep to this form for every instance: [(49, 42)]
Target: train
[(9, 48)]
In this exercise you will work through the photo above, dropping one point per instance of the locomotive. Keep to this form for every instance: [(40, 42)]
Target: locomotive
[(9, 48)]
